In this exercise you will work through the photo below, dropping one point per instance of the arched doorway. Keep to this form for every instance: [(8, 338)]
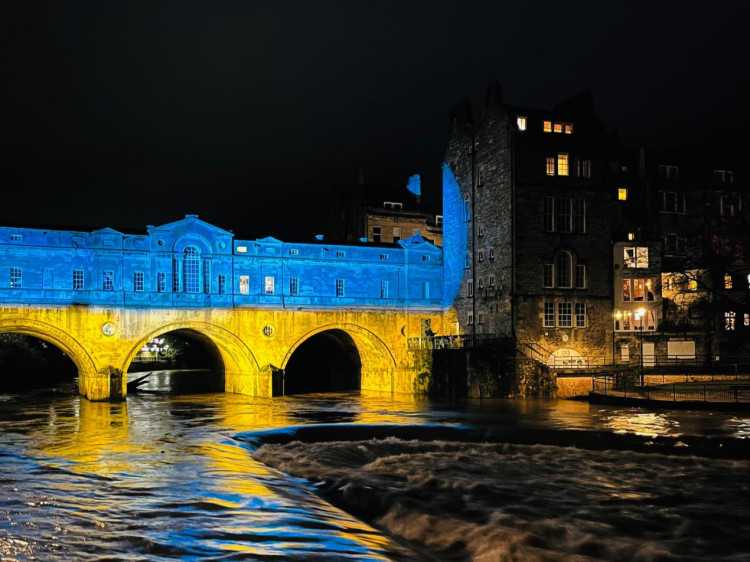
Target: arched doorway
[(181, 361), (328, 361), (28, 362)]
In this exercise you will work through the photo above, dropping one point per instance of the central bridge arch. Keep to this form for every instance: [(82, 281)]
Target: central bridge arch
[(238, 361), (374, 359)]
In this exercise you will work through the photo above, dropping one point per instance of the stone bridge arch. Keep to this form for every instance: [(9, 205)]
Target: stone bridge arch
[(83, 361), (241, 371), (377, 360)]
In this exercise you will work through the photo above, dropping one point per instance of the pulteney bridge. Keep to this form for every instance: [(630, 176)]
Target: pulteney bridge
[(101, 296)]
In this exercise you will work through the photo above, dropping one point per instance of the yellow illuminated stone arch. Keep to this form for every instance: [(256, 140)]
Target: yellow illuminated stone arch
[(377, 360), (241, 372), (57, 337)]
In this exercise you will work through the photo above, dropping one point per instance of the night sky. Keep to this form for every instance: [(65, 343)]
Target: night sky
[(248, 113)]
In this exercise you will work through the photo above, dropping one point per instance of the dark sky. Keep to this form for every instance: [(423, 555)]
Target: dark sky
[(247, 113)]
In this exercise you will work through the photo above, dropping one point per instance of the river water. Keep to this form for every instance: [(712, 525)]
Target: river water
[(359, 476)]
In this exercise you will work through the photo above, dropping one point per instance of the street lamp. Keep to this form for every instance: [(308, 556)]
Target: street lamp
[(639, 316)]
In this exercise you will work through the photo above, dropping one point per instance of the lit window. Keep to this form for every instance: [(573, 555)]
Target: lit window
[(650, 289), (622, 194), (635, 257), (586, 168), (580, 315), (108, 280), (692, 285), (568, 129), (547, 126), (269, 284), (746, 320), (16, 277), (631, 235), (339, 287), (549, 275), (244, 284), (293, 286), (549, 315), (521, 122), (376, 234), (580, 276), (626, 294), (562, 164), (563, 264), (558, 128), (727, 281), (384, 289), (222, 284), (729, 320), (138, 281), (242, 249), (78, 280), (550, 166), (565, 314)]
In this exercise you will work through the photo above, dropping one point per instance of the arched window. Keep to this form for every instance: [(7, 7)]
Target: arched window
[(564, 267), (191, 268)]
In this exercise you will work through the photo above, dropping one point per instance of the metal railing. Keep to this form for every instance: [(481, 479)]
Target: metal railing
[(626, 386)]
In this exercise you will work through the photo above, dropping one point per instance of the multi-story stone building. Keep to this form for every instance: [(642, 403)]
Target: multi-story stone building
[(537, 203), (691, 203)]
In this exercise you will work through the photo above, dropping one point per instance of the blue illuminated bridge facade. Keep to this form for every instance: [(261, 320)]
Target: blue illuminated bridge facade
[(190, 263)]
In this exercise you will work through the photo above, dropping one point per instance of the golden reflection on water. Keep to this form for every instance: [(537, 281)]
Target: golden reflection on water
[(93, 438), (648, 424)]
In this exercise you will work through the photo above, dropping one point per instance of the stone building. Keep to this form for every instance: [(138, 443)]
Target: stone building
[(536, 200), (692, 202), (383, 214)]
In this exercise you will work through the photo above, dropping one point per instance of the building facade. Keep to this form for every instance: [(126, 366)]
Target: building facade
[(537, 204), (384, 214), (190, 263)]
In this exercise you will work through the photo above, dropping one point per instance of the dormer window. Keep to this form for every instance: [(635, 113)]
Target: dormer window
[(547, 126), (558, 128), (393, 205), (568, 128), (521, 122)]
